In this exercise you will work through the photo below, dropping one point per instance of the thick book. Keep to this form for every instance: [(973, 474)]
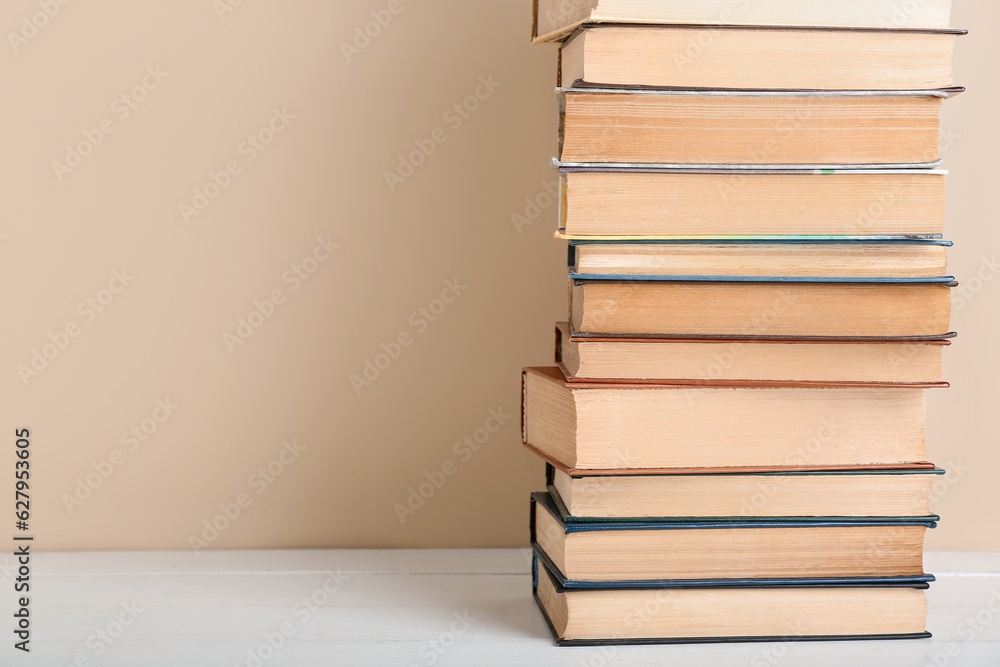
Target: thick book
[(643, 426), (781, 129), (658, 552), (788, 260), (751, 612), (650, 203), (762, 309), (835, 495), (743, 57), (704, 361), (555, 20)]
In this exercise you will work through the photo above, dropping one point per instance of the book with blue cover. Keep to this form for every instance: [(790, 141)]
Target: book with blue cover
[(753, 611), (727, 580), (717, 550)]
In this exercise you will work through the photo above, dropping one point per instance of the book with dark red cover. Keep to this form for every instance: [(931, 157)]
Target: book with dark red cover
[(564, 336), (556, 376)]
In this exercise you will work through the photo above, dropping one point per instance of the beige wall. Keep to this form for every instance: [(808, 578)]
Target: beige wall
[(162, 336)]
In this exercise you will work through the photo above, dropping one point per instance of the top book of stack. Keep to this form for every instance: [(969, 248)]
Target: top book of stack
[(555, 20)]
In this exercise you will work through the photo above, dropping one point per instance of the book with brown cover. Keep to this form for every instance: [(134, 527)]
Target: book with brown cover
[(744, 361), (882, 426)]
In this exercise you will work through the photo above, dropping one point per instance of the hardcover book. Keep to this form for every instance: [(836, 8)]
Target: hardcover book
[(752, 612), (601, 202), (601, 426), (859, 495), (555, 20), (779, 260), (766, 309), (746, 57), (733, 551), (751, 259), (711, 360), (820, 129)]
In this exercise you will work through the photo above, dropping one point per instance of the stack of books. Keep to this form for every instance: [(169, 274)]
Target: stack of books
[(759, 301)]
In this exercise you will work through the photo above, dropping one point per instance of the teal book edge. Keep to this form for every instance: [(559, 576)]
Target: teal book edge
[(539, 569), (547, 502)]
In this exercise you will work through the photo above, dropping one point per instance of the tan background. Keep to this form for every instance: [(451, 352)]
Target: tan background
[(323, 175)]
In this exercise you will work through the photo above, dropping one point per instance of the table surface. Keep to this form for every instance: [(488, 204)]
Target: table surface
[(401, 607)]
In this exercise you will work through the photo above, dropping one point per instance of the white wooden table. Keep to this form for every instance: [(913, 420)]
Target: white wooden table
[(421, 607)]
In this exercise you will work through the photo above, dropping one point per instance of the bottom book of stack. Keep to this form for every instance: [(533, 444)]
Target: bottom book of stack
[(644, 580)]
